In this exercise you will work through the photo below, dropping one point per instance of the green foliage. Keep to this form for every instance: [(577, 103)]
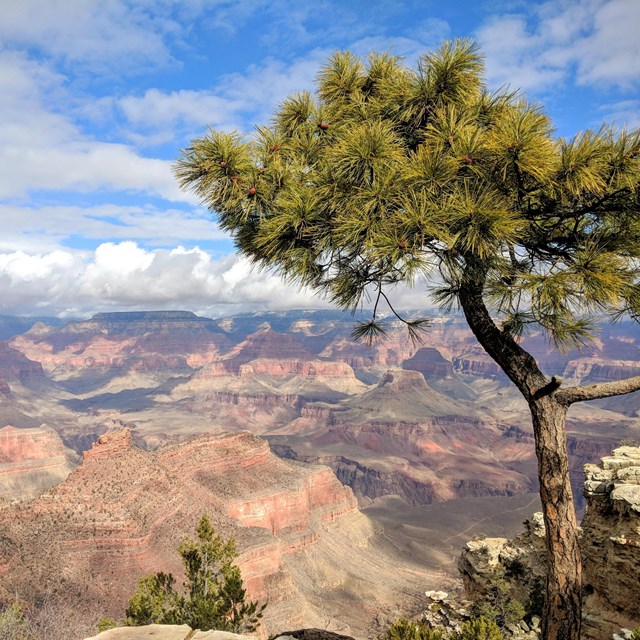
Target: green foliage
[(105, 623), (499, 603), (479, 629), (636, 634), (512, 593), (214, 596), (14, 624), (388, 174), (404, 629)]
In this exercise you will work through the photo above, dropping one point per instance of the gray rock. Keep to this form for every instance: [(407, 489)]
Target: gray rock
[(311, 634)]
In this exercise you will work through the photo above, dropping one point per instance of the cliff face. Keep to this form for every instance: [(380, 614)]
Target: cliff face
[(15, 367), (116, 343), (124, 512), (610, 545), (31, 461)]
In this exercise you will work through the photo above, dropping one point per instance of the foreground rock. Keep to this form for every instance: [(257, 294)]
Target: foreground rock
[(611, 543), (166, 632), (610, 547), (183, 632)]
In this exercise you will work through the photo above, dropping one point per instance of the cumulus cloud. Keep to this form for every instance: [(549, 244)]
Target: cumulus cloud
[(541, 45), (40, 148), (123, 275), (91, 34)]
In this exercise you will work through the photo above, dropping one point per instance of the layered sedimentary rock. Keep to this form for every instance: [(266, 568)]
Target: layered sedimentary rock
[(124, 512), (31, 460), (114, 344), (402, 437), (16, 368), (299, 378), (610, 544)]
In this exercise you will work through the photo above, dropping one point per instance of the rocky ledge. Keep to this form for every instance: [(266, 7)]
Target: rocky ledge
[(610, 545)]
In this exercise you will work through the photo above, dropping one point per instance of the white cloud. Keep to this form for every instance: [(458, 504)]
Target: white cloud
[(42, 149), (610, 55), (537, 48), (100, 35), (45, 228), (123, 275), (625, 113)]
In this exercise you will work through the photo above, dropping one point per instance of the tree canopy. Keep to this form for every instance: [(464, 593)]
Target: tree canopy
[(392, 174)]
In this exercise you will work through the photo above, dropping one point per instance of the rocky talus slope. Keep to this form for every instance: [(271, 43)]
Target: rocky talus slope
[(31, 461), (610, 548), (305, 548)]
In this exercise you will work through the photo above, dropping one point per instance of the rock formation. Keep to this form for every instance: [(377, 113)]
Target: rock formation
[(610, 545), (123, 513), (183, 632), (31, 460)]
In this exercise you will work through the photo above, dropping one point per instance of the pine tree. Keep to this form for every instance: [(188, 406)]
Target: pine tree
[(214, 596), (393, 175)]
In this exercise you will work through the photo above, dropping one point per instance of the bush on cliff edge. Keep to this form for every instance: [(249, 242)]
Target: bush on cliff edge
[(214, 596)]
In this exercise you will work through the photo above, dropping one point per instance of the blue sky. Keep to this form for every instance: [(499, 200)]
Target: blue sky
[(98, 96)]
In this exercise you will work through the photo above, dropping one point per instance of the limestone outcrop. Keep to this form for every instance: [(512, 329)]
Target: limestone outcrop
[(166, 632), (610, 544), (183, 632)]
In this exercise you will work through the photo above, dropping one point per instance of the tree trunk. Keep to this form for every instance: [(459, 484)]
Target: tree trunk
[(561, 618), (562, 613)]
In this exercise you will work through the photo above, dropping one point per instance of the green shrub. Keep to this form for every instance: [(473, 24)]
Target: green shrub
[(499, 603), (214, 596), (105, 623), (404, 629), (14, 624), (636, 634), (479, 629)]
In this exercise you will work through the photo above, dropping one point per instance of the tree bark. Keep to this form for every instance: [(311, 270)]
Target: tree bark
[(562, 615)]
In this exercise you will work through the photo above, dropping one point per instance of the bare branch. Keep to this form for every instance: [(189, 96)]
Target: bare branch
[(600, 390)]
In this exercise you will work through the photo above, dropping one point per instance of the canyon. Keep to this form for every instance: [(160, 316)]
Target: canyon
[(430, 440), (124, 511)]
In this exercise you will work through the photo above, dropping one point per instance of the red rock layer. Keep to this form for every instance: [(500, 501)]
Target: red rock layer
[(31, 460), (124, 511)]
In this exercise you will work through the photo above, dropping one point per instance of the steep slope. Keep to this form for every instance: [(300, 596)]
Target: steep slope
[(124, 511), (31, 460), (147, 347), (402, 437)]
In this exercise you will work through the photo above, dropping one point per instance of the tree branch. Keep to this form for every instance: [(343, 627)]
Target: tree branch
[(519, 365), (570, 395)]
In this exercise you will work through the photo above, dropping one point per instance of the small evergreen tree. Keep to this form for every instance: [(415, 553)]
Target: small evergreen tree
[(214, 595)]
